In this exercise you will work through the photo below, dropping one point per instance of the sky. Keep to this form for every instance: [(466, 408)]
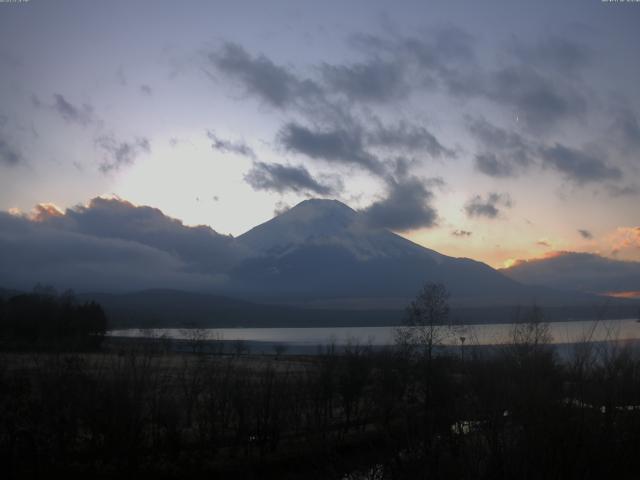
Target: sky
[(495, 130)]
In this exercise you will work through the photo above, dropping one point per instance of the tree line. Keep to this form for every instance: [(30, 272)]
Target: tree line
[(44, 319)]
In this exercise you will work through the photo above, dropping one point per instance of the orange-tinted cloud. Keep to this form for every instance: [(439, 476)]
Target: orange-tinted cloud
[(510, 262), (625, 294), (43, 211), (516, 262), (625, 239), (555, 254)]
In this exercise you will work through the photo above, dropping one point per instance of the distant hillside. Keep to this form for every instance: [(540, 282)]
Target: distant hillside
[(175, 309), (585, 272), (172, 308)]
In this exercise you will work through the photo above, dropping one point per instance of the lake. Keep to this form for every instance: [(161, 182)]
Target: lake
[(306, 338)]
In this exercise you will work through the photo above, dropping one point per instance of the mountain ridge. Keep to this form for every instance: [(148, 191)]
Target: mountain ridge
[(320, 221), (322, 251)]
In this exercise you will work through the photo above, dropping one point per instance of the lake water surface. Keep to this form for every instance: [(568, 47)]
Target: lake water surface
[(485, 334)]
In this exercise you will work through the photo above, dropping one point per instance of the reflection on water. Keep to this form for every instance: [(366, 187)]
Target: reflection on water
[(487, 334)]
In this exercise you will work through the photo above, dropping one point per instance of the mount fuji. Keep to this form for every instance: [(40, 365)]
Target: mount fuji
[(323, 253)]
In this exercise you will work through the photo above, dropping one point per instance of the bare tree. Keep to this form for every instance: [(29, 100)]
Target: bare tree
[(240, 347), (195, 338), (426, 318), (531, 332), (280, 349)]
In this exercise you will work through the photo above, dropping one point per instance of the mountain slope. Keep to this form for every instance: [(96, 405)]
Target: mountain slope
[(322, 250), (329, 222), (179, 309)]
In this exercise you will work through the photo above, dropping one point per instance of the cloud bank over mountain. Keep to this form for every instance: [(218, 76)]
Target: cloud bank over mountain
[(317, 250), (111, 245), (586, 272)]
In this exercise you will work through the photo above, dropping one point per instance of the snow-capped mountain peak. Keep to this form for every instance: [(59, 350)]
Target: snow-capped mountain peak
[(319, 222)]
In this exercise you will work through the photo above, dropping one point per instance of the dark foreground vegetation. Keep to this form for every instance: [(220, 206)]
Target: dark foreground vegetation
[(508, 412), (73, 405), (44, 320)]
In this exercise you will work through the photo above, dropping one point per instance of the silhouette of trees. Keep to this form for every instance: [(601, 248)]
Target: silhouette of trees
[(280, 349), (426, 316), (509, 411), (43, 319)]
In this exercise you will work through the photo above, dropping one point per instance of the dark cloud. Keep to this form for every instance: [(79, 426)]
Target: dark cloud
[(82, 115), (433, 50), (400, 168), (146, 89), (9, 154), (503, 153), (64, 252), (351, 143), (329, 101), (273, 84), (461, 233), (283, 178), (578, 166), (227, 146), (543, 243), (532, 83), (374, 81), (339, 146), (586, 234), (488, 134), (489, 206), (554, 54), (617, 191), (443, 57), (120, 153), (402, 165), (539, 83), (452, 45), (492, 165), (578, 271), (538, 101), (281, 208), (405, 136), (506, 153), (435, 182), (528, 84), (406, 207), (199, 248)]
